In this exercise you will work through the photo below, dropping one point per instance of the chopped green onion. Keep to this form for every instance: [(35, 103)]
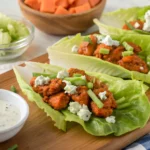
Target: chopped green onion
[(122, 106), (77, 75), (129, 25), (14, 147), (127, 46), (136, 30), (127, 53), (51, 76), (95, 98), (90, 85), (121, 100), (13, 89), (76, 80), (87, 39), (104, 51)]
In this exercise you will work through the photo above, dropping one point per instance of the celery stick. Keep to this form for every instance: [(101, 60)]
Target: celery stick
[(51, 76), (90, 85), (95, 98), (76, 81), (104, 51)]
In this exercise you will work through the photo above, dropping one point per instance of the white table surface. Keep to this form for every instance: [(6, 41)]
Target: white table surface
[(42, 40)]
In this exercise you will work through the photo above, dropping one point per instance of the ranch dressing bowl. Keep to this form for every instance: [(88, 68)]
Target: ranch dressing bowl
[(14, 112)]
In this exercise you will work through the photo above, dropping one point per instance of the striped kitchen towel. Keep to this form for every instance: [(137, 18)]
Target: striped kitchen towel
[(142, 144)]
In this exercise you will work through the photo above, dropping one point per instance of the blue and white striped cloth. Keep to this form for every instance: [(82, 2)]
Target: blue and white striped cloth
[(141, 144)]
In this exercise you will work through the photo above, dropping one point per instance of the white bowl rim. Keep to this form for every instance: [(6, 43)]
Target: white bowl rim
[(25, 116)]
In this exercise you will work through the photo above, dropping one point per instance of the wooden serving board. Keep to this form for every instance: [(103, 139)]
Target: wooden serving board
[(39, 132)]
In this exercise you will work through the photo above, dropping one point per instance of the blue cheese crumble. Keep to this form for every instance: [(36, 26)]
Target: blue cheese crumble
[(41, 80), (110, 119), (62, 74), (102, 95)]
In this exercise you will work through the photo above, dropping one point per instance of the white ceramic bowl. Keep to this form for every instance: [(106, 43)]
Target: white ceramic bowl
[(20, 103)]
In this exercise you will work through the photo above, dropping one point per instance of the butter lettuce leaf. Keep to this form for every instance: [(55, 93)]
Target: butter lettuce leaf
[(132, 117), (112, 22), (62, 55)]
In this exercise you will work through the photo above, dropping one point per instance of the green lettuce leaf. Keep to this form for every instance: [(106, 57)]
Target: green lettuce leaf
[(132, 117), (112, 22), (59, 54)]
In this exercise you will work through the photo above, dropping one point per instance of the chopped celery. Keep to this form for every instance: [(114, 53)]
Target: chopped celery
[(127, 53), (87, 39), (104, 51), (127, 46), (76, 80), (95, 98), (90, 85), (13, 89), (51, 76), (77, 75), (14, 147)]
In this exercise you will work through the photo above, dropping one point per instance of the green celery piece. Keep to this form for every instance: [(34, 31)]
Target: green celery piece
[(87, 39), (76, 80), (127, 46), (77, 75), (95, 99), (5, 38), (127, 53), (90, 85), (51, 76), (104, 51), (13, 89), (14, 147)]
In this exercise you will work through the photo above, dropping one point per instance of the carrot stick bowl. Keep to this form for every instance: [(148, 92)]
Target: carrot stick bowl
[(59, 24)]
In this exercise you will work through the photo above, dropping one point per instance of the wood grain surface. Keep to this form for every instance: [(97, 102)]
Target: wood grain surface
[(39, 132)]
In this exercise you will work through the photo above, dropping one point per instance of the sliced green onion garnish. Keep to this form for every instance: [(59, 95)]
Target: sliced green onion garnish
[(14, 147), (121, 100), (77, 75), (104, 51), (90, 85), (13, 89), (127, 53), (76, 80), (136, 30), (87, 39), (51, 76), (95, 98), (127, 46), (129, 25)]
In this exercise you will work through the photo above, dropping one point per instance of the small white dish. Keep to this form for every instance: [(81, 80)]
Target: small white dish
[(22, 105)]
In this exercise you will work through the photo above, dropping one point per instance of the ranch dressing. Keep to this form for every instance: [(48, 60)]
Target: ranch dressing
[(9, 115)]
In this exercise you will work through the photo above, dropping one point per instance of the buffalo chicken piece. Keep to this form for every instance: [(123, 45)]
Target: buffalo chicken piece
[(109, 103), (115, 53), (59, 101), (134, 63), (81, 96), (141, 24), (88, 48)]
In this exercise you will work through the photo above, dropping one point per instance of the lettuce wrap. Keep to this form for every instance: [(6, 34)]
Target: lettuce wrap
[(112, 22), (127, 119), (60, 54)]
